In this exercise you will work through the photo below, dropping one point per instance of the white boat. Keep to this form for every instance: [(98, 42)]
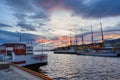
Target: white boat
[(22, 55), (103, 51), (100, 52)]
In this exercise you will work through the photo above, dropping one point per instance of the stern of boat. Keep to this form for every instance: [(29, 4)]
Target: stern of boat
[(35, 61)]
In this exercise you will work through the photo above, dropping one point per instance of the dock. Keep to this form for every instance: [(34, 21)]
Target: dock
[(9, 71)]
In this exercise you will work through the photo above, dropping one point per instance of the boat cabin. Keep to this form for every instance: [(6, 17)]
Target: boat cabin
[(17, 48)]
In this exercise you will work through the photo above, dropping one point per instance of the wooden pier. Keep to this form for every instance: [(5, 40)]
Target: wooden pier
[(9, 71)]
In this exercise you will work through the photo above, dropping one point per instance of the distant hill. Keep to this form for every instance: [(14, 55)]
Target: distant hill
[(113, 43)]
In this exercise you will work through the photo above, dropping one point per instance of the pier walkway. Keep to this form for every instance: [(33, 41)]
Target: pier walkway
[(13, 72)]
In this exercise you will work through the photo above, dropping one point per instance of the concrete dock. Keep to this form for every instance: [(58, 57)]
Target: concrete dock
[(9, 71)]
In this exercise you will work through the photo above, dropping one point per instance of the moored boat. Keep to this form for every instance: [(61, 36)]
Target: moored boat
[(105, 52), (22, 55), (102, 50)]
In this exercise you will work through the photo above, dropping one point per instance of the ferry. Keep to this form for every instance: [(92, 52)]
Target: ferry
[(22, 54)]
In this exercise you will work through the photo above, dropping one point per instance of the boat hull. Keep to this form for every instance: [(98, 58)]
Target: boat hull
[(30, 61), (36, 66), (102, 54)]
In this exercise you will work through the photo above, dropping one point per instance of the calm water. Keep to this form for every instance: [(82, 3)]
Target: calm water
[(77, 67)]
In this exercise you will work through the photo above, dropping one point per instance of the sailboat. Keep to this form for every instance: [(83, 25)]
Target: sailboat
[(106, 51)]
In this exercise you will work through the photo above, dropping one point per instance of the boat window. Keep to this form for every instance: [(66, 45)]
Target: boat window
[(9, 54), (19, 47)]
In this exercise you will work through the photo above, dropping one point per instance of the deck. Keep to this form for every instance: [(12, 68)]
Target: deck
[(14, 72)]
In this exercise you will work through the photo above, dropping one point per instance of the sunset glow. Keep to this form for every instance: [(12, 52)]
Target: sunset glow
[(53, 22)]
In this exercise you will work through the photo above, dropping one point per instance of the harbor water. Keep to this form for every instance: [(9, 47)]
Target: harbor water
[(78, 67)]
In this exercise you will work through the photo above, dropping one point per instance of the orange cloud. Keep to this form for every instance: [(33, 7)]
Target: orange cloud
[(56, 8), (112, 36), (60, 41), (52, 5), (42, 40)]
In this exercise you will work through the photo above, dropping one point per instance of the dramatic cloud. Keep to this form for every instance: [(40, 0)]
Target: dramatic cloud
[(23, 8), (94, 8), (84, 8), (105, 8), (54, 18), (50, 4), (41, 10), (26, 11), (20, 5), (26, 26), (6, 36), (4, 25), (20, 16), (39, 15)]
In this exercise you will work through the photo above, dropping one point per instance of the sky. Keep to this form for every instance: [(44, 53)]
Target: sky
[(53, 22)]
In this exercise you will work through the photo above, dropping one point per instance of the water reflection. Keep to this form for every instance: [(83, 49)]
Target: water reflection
[(74, 67)]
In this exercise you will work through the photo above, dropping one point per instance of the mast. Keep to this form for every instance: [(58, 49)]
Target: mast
[(102, 34), (91, 34), (82, 37), (70, 37), (42, 49), (76, 39)]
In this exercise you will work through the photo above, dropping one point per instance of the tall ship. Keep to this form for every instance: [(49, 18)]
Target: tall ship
[(92, 49), (22, 54), (98, 49)]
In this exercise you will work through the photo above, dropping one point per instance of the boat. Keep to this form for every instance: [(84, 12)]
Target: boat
[(105, 51), (91, 49), (22, 54)]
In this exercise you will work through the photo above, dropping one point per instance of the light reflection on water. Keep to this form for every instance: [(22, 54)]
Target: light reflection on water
[(77, 67)]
